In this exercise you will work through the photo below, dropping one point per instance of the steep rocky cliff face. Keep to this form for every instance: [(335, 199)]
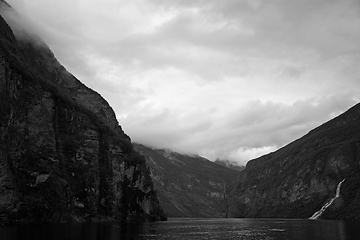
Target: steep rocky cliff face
[(63, 155), (296, 180), (189, 186)]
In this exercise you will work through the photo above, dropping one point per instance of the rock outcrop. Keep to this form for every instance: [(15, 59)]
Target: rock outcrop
[(298, 179), (63, 155), (189, 186)]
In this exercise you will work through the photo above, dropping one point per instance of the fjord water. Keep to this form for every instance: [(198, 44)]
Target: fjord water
[(189, 229)]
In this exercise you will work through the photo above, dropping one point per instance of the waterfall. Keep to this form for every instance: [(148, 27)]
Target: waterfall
[(317, 214)]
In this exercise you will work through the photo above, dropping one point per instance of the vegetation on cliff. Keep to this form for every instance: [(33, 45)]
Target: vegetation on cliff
[(189, 186), (296, 180), (347, 207), (63, 155)]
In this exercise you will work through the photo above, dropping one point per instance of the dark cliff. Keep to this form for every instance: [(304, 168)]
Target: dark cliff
[(189, 186), (296, 180), (63, 155)]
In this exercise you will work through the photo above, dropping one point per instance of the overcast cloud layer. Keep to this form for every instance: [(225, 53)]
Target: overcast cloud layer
[(231, 79)]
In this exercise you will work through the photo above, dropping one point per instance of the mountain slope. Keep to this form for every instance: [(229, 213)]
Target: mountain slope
[(296, 180), (63, 155), (188, 186), (229, 164)]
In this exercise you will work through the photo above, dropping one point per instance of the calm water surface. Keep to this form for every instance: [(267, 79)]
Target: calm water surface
[(189, 229)]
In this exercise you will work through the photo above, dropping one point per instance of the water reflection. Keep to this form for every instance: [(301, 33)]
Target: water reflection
[(78, 231), (189, 229)]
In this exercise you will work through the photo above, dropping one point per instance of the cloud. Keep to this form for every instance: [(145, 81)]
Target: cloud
[(20, 25), (252, 130), (224, 79)]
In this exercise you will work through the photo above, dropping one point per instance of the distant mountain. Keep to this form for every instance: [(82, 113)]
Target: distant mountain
[(298, 179), (63, 155), (189, 186), (229, 164)]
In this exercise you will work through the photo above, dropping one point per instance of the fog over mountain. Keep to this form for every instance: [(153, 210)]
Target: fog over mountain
[(63, 155), (230, 79)]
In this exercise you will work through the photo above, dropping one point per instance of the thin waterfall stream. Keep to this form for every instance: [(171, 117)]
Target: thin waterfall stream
[(317, 214)]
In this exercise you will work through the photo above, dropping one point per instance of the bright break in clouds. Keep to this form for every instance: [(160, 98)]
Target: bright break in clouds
[(231, 79)]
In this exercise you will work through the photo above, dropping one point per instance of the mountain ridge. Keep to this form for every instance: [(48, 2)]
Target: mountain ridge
[(296, 180), (229, 164), (63, 155), (188, 185)]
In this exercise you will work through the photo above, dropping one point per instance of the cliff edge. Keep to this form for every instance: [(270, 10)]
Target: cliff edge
[(63, 155), (189, 186), (298, 179)]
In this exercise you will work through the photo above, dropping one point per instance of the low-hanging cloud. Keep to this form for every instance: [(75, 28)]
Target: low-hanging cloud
[(21, 26), (251, 130), (229, 79)]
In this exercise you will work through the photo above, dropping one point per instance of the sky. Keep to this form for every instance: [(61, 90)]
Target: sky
[(227, 79)]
